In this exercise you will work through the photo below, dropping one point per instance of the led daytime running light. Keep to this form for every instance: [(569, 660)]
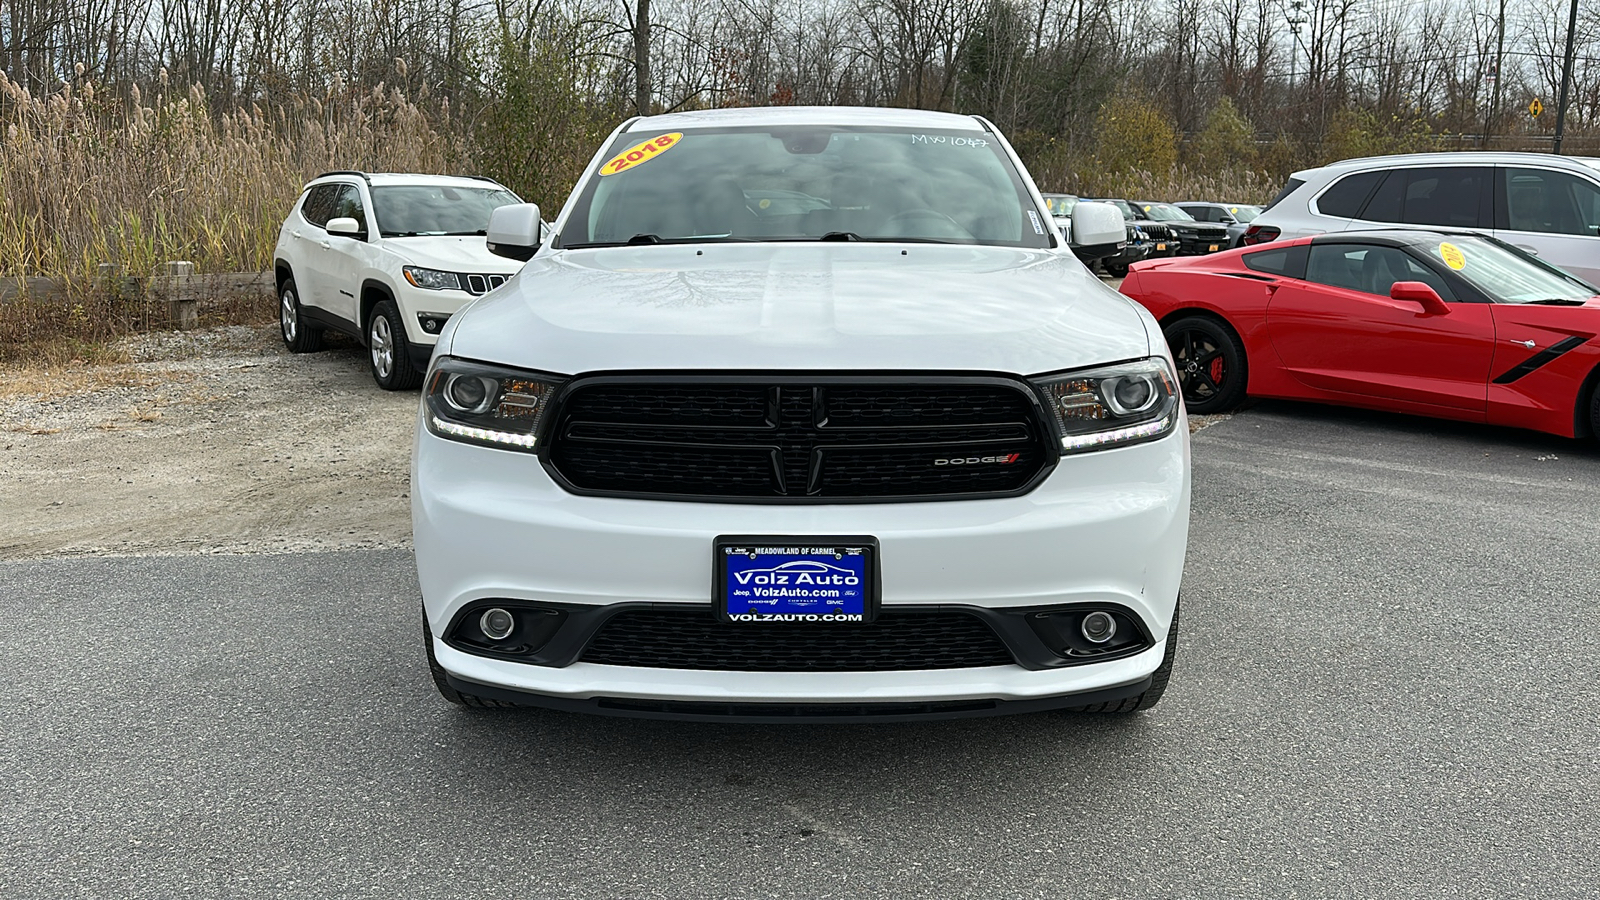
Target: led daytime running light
[(1116, 435), (525, 441)]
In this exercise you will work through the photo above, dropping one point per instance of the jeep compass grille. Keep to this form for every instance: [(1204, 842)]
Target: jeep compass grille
[(797, 439)]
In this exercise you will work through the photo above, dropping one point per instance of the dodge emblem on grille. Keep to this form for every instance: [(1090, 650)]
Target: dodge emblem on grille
[(1005, 460)]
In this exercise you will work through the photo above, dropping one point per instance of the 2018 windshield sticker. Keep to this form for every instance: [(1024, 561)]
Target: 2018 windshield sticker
[(1452, 256), (641, 153), (948, 140)]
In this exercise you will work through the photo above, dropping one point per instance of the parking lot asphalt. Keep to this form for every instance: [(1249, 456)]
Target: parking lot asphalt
[(1386, 688)]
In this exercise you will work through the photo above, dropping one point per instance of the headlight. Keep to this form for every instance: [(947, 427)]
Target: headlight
[(1113, 406), (487, 405), (432, 279)]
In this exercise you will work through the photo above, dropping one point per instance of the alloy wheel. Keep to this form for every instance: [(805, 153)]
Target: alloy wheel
[(382, 344)]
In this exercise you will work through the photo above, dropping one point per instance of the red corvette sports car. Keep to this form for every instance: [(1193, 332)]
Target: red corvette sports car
[(1454, 325)]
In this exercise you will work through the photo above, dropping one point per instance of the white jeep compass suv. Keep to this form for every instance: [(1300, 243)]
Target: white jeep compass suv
[(802, 415), (387, 259)]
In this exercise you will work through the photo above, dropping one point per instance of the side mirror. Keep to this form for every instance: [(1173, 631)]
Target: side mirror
[(1097, 223), (1419, 292), (344, 225), (515, 231)]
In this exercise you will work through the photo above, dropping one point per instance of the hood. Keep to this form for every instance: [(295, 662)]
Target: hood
[(450, 253), (801, 306)]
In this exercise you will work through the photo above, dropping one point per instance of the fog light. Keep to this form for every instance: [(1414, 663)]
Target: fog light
[(1099, 627), (497, 624)]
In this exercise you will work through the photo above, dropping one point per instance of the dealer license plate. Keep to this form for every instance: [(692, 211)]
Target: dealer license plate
[(1161, 246), (823, 580), (1213, 248)]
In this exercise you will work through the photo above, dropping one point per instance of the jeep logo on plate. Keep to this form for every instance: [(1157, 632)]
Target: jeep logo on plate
[(1005, 460)]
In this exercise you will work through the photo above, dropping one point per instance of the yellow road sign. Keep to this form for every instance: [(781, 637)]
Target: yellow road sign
[(1535, 108)]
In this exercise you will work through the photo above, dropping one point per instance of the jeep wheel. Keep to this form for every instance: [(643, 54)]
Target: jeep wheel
[(389, 350), (1115, 270), (298, 335)]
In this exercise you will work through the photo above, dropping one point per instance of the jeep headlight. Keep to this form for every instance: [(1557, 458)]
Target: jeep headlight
[(487, 405), (432, 279), (1112, 406)]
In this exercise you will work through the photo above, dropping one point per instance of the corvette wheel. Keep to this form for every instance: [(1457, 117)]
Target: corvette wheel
[(1211, 364)]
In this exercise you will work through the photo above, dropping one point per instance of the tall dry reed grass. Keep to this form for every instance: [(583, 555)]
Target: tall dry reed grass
[(88, 177)]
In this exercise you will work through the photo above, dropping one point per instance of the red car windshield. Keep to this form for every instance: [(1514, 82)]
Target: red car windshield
[(1505, 275)]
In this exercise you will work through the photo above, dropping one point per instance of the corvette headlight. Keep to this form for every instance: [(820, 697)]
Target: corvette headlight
[(1113, 406), (432, 279), (487, 405)]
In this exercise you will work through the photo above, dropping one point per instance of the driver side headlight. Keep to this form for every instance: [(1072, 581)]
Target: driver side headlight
[(1114, 406), (488, 405)]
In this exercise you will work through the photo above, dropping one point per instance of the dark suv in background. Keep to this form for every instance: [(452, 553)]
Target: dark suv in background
[(1194, 238)]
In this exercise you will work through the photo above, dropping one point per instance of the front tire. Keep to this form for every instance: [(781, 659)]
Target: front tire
[(441, 682), (389, 351), (298, 335), (1158, 681), (1212, 369), (1115, 270)]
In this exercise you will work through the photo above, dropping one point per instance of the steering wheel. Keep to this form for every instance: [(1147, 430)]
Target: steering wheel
[(954, 229)]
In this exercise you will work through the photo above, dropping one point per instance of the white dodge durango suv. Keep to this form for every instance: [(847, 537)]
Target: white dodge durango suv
[(802, 415), (387, 259)]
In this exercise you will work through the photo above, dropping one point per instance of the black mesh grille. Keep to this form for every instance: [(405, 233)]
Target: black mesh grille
[(694, 639), (792, 439)]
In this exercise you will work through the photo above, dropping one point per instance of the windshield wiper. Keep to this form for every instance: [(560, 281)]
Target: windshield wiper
[(644, 239), (840, 236), (1556, 301)]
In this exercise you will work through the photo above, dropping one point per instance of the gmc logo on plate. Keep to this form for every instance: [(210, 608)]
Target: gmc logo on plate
[(1006, 460)]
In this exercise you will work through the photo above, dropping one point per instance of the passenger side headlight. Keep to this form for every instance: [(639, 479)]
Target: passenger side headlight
[(432, 279), (1113, 406), (487, 405)]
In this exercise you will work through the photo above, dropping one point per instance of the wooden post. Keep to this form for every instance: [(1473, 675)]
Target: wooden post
[(179, 288)]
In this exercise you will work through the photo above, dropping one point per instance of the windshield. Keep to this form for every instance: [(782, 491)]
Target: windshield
[(1505, 275), (1165, 212), (800, 183), (1244, 213), (1128, 211), (416, 209), (1060, 204)]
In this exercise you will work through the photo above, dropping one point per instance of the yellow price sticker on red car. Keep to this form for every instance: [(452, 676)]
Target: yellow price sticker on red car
[(641, 153), (1452, 256)]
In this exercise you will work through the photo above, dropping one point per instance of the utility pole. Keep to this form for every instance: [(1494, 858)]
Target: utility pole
[(641, 57), (1499, 63), (1566, 78), (1295, 15)]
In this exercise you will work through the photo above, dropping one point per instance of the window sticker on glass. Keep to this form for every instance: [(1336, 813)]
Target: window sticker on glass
[(951, 140), (1038, 228), (641, 153), (1452, 256)]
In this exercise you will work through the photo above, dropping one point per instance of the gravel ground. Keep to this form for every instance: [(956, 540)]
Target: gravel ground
[(210, 441)]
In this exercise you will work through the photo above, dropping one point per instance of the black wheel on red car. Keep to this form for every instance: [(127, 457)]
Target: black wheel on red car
[(1594, 412), (1212, 370)]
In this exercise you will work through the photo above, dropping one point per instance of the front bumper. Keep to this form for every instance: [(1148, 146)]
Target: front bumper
[(1103, 528), (1192, 244)]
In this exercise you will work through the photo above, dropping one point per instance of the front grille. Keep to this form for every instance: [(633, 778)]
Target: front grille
[(695, 639), (1157, 232), (798, 439), (482, 284)]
